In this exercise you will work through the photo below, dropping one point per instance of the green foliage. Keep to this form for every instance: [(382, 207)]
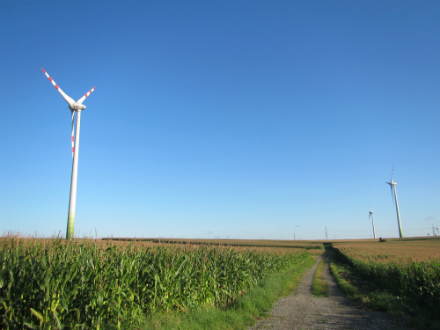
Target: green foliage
[(320, 286), (417, 280), (371, 283), (350, 291), (66, 285), (243, 313), (371, 299)]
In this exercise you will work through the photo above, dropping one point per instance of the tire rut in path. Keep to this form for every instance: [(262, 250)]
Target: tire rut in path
[(302, 310)]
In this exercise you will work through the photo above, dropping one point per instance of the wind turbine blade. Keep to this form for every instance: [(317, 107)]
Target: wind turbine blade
[(392, 174), (81, 100), (68, 99), (73, 139), (391, 186)]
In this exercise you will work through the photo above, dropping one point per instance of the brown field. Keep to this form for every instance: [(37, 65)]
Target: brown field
[(396, 251), (310, 245)]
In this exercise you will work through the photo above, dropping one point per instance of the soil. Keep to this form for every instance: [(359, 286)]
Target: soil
[(302, 310)]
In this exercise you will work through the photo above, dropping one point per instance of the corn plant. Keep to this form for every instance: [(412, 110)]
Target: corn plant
[(417, 280), (90, 284)]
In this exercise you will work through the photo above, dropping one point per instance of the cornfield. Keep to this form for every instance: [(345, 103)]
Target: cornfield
[(309, 245), (400, 252), (91, 284), (410, 269)]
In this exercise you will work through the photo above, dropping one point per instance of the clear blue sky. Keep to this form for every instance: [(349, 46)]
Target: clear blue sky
[(240, 119)]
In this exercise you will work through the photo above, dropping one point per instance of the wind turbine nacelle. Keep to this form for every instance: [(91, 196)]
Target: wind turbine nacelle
[(77, 106)]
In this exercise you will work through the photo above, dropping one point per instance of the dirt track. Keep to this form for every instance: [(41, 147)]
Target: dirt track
[(302, 310)]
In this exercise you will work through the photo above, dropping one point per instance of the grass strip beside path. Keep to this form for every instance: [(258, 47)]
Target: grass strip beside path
[(320, 286), (244, 313)]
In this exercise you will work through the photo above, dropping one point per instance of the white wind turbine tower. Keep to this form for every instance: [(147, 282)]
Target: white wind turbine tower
[(371, 216), (74, 107), (393, 192)]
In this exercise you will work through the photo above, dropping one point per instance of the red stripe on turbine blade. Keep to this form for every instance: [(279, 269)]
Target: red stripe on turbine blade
[(56, 86), (73, 149)]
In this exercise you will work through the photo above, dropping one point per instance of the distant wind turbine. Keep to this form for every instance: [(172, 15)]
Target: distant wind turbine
[(394, 194), (74, 107), (370, 215)]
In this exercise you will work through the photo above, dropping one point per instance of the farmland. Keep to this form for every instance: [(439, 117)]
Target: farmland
[(309, 245), (396, 275), (53, 283), (392, 251), (119, 283)]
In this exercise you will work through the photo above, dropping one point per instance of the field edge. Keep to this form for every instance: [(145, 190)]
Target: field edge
[(370, 296), (247, 310)]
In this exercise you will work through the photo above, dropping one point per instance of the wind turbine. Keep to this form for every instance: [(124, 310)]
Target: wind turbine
[(393, 192), (372, 219), (74, 107)]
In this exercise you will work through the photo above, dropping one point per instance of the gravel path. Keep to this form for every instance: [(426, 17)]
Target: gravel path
[(302, 310)]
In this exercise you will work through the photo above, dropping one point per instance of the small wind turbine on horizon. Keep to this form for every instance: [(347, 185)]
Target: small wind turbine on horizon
[(370, 215), (74, 107), (394, 194)]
